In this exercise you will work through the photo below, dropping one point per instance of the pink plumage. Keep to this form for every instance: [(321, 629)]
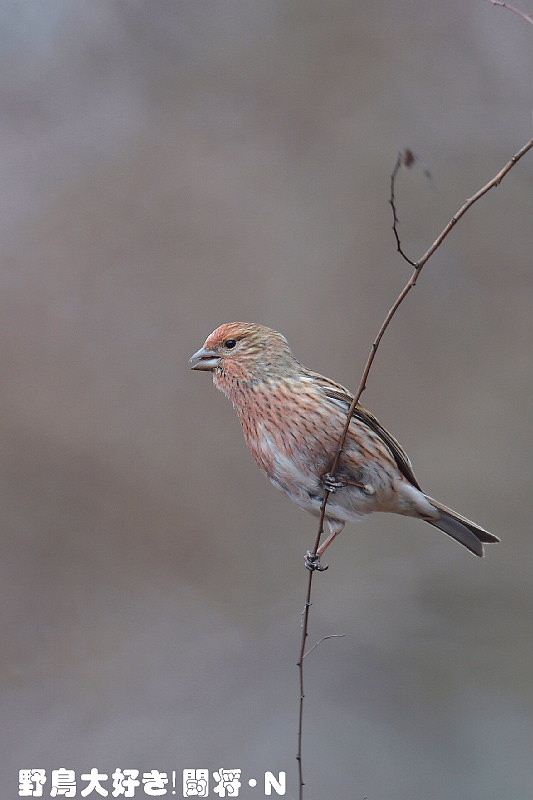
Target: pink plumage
[(292, 420)]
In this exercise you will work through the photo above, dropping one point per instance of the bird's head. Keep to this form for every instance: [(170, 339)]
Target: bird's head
[(243, 351)]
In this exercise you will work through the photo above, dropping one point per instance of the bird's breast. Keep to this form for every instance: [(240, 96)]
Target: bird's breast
[(282, 447)]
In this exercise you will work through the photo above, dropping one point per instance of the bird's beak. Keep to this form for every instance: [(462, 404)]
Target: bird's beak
[(204, 359)]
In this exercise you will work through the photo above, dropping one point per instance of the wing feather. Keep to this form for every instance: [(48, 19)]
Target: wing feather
[(337, 392)]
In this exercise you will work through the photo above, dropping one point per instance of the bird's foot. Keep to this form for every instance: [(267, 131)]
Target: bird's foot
[(312, 562), (332, 483)]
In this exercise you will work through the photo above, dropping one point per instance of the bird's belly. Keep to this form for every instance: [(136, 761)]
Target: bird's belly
[(348, 503), (297, 468), (298, 480), (351, 504)]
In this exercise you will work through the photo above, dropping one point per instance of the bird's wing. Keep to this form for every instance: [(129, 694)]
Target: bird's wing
[(336, 392)]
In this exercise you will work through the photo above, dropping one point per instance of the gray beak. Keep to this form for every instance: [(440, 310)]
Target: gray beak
[(205, 360)]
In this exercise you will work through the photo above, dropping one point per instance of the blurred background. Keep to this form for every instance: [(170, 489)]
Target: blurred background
[(170, 165)]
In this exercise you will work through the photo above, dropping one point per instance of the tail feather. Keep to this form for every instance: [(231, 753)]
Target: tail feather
[(460, 528)]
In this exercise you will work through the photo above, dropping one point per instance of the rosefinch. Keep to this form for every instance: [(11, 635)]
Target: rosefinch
[(292, 420)]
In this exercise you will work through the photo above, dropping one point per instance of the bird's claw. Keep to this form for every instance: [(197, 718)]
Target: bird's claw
[(332, 483), (312, 562)]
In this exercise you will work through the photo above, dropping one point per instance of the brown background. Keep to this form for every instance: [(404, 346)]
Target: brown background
[(169, 166)]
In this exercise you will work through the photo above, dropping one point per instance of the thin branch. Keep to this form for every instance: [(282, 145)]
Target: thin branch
[(526, 17), (300, 665), (406, 158), (331, 636), (418, 265), (471, 200)]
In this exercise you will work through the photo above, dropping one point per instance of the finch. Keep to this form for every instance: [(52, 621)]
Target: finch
[(293, 419)]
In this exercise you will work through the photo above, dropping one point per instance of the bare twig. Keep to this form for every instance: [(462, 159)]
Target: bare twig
[(418, 265), (300, 664), (526, 17), (331, 636), (407, 159)]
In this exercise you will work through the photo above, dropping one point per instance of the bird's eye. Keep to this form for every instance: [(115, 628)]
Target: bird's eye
[(230, 343)]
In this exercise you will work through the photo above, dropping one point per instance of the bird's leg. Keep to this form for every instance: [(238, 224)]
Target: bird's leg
[(312, 560), (333, 482)]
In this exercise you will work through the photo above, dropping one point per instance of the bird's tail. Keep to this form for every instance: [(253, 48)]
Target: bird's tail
[(460, 528)]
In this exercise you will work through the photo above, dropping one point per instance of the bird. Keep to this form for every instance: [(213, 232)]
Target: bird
[(292, 420)]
